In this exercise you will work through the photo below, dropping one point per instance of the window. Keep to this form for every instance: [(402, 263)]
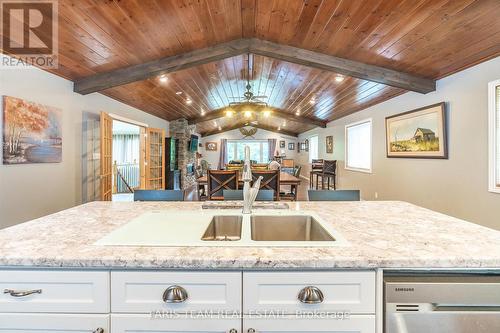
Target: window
[(259, 150), (494, 135), (313, 148), (358, 137)]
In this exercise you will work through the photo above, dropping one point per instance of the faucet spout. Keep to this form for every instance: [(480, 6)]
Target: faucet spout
[(249, 193)]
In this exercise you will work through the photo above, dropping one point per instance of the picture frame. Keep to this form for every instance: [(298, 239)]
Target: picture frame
[(418, 133), (211, 146), (282, 143), (291, 146), (329, 144)]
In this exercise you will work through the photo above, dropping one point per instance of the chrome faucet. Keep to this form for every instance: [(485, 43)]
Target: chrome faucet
[(249, 193)]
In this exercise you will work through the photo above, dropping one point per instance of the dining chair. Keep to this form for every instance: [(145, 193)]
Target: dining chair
[(338, 195), (262, 195), (270, 181), (329, 171), (219, 180), (158, 195), (316, 167)]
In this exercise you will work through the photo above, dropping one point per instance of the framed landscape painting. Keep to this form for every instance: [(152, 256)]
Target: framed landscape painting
[(32, 132), (329, 144), (419, 133)]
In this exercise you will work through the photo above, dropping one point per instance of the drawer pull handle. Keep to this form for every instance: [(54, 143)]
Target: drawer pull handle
[(233, 330), (251, 330), (175, 294), (311, 295), (22, 293), (99, 330)]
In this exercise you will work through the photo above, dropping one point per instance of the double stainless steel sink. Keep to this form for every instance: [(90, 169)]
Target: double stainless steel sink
[(271, 228)]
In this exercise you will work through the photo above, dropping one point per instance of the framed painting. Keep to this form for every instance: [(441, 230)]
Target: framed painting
[(32, 132), (211, 146), (329, 144), (282, 144), (419, 133), (291, 146)]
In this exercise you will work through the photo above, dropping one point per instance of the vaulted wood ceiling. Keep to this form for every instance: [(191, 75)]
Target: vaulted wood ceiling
[(426, 38)]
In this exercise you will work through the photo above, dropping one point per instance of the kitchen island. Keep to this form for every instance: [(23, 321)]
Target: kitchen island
[(57, 274)]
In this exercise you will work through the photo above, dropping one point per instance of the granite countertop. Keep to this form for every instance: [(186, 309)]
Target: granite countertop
[(386, 234)]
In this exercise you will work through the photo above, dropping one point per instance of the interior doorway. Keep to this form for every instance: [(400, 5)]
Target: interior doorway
[(126, 158)]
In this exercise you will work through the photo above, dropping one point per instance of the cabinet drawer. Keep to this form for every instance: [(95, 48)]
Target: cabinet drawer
[(54, 291), (352, 324), (60, 323), (143, 292), (353, 292), (133, 323)]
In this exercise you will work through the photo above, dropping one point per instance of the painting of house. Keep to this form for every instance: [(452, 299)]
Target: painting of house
[(423, 134), (419, 133), (32, 132)]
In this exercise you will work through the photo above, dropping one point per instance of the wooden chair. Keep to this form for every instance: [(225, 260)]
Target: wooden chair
[(329, 171), (219, 180), (340, 195), (158, 195), (263, 195), (316, 167), (270, 181)]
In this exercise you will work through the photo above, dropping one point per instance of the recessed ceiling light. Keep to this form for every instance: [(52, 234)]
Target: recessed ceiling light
[(297, 113), (189, 101), (312, 101), (229, 113), (284, 124), (163, 78), (279, 128), (179, 93), (266, 113), (339, 78), (202, 112), (220, 128), (248, 114), (215, 123)]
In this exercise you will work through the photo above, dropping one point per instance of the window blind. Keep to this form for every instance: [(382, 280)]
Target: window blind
[(497, 121), (359, 146)]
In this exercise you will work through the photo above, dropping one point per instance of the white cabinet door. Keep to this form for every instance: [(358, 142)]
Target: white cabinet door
[(54, 291), (50, 323), (142, 292), (133, 323), (352, 291), (352, 324)]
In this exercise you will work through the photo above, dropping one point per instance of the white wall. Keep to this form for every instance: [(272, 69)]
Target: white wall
[(213, 156), (33, 190), (457, 186)]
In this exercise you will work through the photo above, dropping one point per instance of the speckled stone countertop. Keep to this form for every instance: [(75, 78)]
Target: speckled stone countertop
[(380, 234)]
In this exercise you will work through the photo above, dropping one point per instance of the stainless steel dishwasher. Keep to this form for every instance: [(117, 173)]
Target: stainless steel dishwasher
[(442, 303)]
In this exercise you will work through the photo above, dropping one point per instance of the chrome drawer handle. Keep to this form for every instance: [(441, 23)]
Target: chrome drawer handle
[(251, 330), (99, 330), (233, 330), (175, 294), (22, 293), (311, 295)]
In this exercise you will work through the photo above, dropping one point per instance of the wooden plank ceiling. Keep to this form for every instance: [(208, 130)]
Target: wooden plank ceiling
[(426, 38)]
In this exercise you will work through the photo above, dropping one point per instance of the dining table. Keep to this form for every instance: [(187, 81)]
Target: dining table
[(285, 179)]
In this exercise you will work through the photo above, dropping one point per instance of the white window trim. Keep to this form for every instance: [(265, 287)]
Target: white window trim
[(369, 120), (261, 141), (492, 136), (309, 152)]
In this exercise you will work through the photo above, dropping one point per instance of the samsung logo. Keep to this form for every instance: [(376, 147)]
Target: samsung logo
[(404, 289)]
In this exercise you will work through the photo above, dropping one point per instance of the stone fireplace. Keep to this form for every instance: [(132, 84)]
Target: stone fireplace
[(181, 130)]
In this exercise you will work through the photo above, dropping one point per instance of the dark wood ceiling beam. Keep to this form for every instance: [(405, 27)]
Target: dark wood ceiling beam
[(102, 81), (342, 66), (274, 129), (275, 112), (233, 48), (240, 125)]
